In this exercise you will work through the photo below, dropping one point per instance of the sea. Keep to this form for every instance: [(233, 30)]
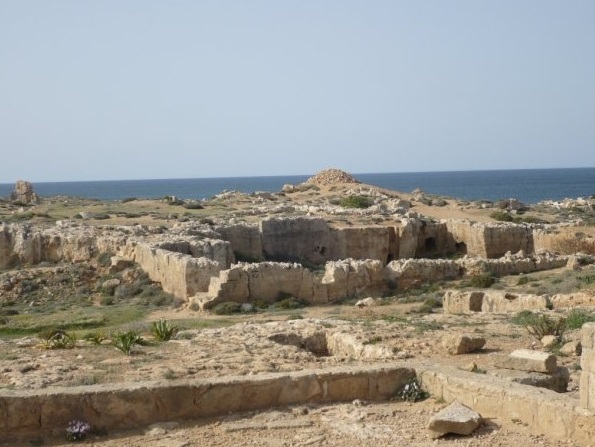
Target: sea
[(530, 186)]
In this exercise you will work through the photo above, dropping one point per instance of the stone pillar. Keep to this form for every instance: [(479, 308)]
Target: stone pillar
[(587, 385)]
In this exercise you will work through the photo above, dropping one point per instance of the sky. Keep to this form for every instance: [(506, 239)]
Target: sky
[(142, 89)]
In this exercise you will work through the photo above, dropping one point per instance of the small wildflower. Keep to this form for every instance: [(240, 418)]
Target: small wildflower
[(77, 430)]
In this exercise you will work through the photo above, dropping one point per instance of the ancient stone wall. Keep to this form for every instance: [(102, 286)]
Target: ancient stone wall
[(567, 242), (490, 240), (360, 243), (245, 239), (296, 239), (27, 415), (179, 274), (350, 278)]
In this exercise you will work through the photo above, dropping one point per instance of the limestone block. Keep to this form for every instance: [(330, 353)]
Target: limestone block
[(588, 335), (457, 302), (456, 418), (548, 341), (588, 360), (462, 343), (499, 301), (572, 348), (587, 390), (527, 360)]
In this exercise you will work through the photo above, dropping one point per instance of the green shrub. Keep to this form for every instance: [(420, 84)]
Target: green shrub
[(129, 199), (227, 308), (104, 259), (162, 330), (586, 279), (260, 304), (501, 216), (96, 337), (124, 341), (57, 339), (481, 281), (577, 317), (355, 202), (290, 303), (540, 325), (193, 206)]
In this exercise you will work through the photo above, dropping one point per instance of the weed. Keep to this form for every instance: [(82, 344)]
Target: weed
[(542, 325), (227, 308), (57, 339), (162, 330), (290, 303), (577, 317), (124, 341), (425, 326), (96, 337)]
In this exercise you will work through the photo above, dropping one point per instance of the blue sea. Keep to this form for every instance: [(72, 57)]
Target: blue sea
[(527, 185)]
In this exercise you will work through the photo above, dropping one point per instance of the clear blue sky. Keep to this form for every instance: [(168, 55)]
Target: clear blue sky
[(129, 89)]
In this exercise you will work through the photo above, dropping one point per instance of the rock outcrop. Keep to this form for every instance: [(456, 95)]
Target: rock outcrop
[(23, 193)]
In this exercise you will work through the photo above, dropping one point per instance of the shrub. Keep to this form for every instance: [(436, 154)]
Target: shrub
[(540, 325), (124, 341), (95, 337), (162, 330), (501, 216), (227, 308), (129, 199), (482, 281), (290, 303), (193, 206), (57, 339), (577, 317), (355, 202)]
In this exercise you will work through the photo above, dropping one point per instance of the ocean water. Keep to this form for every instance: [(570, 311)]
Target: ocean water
[(527, 185)]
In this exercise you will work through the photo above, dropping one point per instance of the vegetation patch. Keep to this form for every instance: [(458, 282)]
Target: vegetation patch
[(355, 202)]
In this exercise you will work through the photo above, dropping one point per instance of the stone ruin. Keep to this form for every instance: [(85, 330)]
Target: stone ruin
[(23, 193), (304, 257)]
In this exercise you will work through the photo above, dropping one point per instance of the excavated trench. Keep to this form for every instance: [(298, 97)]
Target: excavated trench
[(316, 343)]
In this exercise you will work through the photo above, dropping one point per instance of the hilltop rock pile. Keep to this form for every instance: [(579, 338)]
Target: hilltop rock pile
[(330, 177)]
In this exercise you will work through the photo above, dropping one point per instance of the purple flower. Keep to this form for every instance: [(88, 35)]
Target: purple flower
[(77, 430)]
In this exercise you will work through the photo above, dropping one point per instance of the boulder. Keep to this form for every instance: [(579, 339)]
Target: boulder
[(456, 418), (528, 360), (456, 344)]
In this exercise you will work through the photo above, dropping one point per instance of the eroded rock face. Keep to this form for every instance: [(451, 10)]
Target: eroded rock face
[(23, 193)]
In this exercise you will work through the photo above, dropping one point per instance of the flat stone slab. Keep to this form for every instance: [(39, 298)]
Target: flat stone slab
[(528, 360), (456, 418)]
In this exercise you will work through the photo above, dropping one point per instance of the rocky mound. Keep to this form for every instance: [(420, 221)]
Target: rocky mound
[(330, 177)]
